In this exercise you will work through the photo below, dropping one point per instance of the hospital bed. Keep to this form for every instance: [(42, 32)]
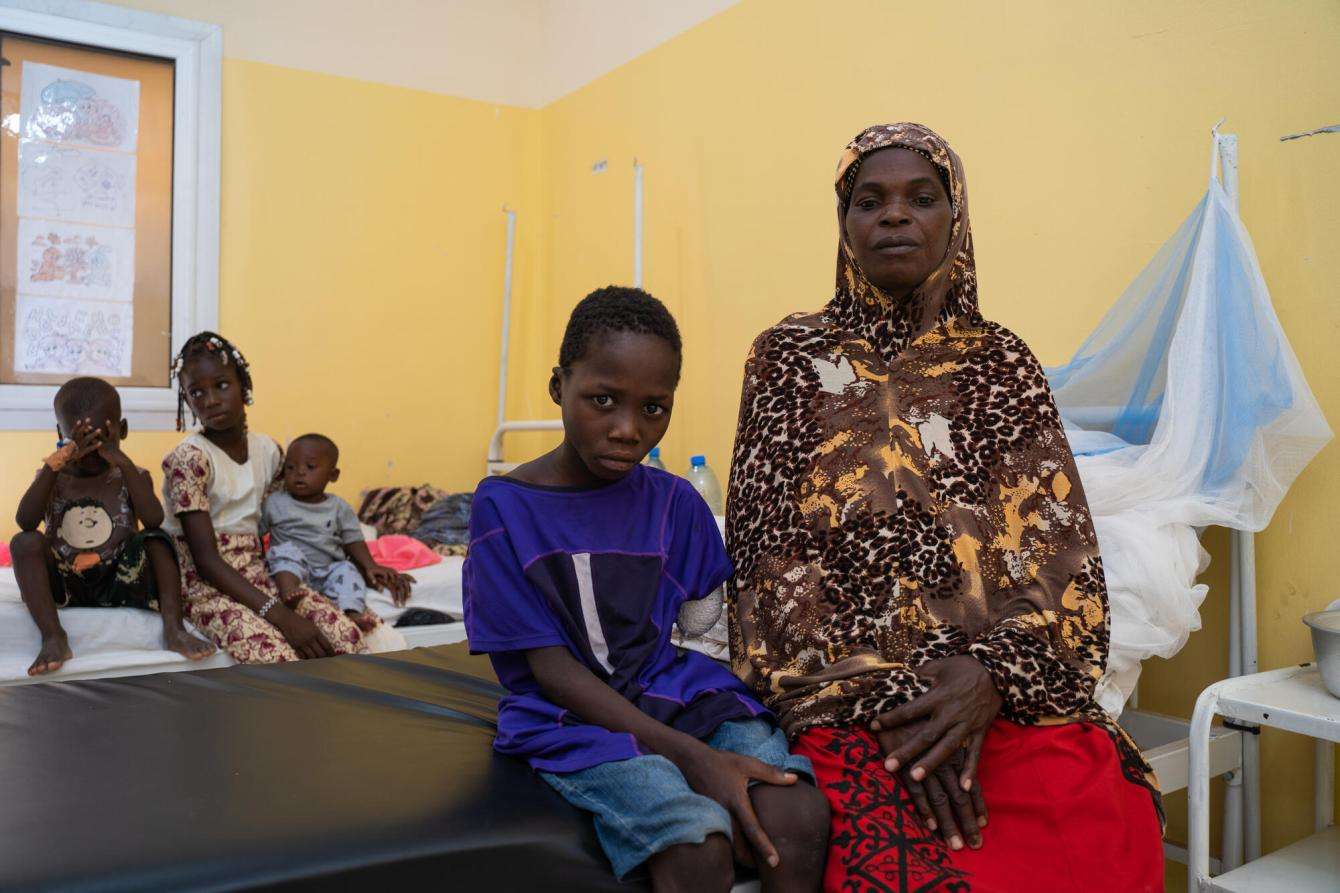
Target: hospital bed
[(355, 772), (110, 642)]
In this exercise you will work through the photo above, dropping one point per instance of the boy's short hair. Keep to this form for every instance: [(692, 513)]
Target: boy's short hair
[(80, 396), (321, 440), (616, 308)]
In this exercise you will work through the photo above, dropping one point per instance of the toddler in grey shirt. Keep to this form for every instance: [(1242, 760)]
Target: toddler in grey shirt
[(315, 538)]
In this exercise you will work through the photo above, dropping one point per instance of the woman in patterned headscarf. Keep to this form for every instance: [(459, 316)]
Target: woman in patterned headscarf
[(918, 590)]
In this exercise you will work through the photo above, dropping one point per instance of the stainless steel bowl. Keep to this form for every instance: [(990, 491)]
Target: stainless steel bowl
[(1325, 626)]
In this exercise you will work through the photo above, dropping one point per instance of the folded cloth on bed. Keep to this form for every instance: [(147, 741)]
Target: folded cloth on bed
[(397, 509), (446, 522), (402, 553)]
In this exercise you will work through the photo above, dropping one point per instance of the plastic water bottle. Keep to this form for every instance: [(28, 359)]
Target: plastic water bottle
[(705, 482), (654, 459)]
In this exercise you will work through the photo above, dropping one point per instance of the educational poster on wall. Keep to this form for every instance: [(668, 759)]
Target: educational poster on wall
[(86, 199), (72, 337), (75, 264), (66, 260), (77, 185), (69, 107)]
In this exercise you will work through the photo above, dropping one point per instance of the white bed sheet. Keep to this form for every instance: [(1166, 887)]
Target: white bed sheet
[(437, 587), (127, 642)]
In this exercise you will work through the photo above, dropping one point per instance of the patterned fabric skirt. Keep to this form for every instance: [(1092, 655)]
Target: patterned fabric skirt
[(235, 628), (1062, 816)]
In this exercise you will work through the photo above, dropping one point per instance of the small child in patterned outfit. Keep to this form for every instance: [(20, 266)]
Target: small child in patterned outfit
[(92, 501), (214, 483), (312, 532)]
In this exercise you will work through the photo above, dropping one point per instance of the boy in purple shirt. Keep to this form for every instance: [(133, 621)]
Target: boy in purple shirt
[(579, 563)]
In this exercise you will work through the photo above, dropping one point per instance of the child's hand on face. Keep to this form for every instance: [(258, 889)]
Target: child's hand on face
[(87, 438), (379, 576), (113, 454)]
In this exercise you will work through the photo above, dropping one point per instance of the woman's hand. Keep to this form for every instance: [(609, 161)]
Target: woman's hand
[(955, 714), (300, 632), (724, 776), (944, 805)]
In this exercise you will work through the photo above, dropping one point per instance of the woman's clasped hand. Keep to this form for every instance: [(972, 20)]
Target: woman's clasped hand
[(933, 743)]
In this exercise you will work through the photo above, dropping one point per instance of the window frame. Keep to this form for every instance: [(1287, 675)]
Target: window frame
[(196, 49)]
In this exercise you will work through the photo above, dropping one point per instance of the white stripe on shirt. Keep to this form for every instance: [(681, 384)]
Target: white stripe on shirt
[(581, 562)]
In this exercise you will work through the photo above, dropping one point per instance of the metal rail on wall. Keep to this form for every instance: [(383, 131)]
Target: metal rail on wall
[(496, 461)]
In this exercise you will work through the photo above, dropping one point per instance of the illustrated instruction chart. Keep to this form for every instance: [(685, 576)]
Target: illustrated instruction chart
[(75, 269)]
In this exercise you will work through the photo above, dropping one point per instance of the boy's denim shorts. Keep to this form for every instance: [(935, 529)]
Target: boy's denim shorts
[(643, 806)]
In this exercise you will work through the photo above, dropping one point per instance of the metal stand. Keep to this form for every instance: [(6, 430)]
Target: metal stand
[(1235, 753), (495, 458), (1292, 699), (1242, 589), (637, 223), (506, 314)]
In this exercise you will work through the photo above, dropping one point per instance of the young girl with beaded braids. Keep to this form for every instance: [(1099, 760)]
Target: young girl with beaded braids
[(214, 482)]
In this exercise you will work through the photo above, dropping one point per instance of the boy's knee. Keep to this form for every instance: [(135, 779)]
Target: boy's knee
[(27, 544), (813, 813), (709, 865), (795, 818), (717, 857)]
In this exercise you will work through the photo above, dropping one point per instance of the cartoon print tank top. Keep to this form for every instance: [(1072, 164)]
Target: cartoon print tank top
[(89, 519)]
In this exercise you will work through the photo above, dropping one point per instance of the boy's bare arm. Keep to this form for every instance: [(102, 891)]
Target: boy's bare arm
[(139, 484), (573, 687), (142, 498), (379, 576), (33, 505), (359, 554), (721, 775)]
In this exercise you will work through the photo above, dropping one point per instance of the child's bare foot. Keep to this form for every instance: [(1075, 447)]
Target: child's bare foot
[(53, 654), (365, 620), (188, 646)]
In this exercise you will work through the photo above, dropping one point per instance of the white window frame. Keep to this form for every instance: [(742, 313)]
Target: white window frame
[(196, 48)]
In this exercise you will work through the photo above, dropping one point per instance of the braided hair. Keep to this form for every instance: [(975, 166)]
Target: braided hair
[(616, 308), (208, 344)]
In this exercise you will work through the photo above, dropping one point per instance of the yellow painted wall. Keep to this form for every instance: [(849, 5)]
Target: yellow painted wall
[(362, 263), (1085, 131)]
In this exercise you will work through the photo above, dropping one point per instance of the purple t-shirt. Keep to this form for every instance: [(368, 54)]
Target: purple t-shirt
[(601, 572)]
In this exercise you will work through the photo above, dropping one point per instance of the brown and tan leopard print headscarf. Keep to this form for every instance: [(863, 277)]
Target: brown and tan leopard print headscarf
[(902, 491)]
